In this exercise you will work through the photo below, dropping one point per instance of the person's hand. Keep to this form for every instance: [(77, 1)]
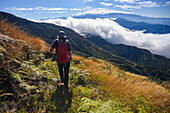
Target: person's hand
[(70, 59)]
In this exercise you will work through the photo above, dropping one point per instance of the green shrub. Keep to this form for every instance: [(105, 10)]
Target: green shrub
[(78, 76), (98, 106)]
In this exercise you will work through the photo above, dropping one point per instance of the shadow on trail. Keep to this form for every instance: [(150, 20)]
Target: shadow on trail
[(62, 99)]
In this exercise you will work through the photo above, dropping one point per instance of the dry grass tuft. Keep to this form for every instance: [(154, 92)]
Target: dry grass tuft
[(125, 85), (15, 32)]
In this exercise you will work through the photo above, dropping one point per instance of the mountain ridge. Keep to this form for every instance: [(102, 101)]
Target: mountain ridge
[(143, 26), (30, 82), (82, 46), (131, 23), (130, 17), (33, 86), (135, 22), (119, 50), (142, 57)]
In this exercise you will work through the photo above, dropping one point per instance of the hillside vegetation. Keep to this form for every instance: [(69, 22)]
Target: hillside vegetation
[(29, 82), (154, 66), (87, 48)]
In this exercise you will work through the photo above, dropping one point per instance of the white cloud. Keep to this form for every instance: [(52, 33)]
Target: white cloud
[(102, 11), (127, 1), (128, 7), (167, 3), (138, 5), (114, 33), (50, 9), (43, 9), (106, 4), (87, 8), (75, 9), (37, 8), (88, 1), (148, 4), (145, 2), (20, 9)]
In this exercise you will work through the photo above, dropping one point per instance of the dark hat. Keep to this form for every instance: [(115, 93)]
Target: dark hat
[(62, 34)]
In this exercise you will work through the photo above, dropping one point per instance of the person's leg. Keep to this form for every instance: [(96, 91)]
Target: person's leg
[(60, 68), (66, 71)]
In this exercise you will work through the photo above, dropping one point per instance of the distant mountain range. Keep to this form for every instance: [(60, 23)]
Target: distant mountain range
[(132, 22), (143, 26), (135, 22), (130, 17), (128, 58)]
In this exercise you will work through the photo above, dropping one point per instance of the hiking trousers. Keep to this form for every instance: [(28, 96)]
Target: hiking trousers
[(64, 75)]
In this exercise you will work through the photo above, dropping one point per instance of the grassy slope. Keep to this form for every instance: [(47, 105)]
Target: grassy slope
[(133, 91), (95, 85), (149, 63), (82, 46)]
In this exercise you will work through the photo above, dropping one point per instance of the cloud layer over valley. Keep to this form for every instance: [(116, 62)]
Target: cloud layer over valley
[(116, 34)]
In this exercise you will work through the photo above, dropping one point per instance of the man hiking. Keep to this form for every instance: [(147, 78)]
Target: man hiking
[(63, 56)]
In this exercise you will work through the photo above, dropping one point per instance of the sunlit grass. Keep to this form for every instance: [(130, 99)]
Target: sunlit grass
[(15, 32), (134, 91), (124, 85)]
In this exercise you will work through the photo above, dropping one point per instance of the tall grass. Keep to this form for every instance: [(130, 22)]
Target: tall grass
[(126, 86), (15, 32)]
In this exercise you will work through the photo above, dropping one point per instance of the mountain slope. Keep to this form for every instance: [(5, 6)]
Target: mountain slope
[(95, 85), (148, 28), (84, 47), (49, 32), (132, 53), (140, 56), (29, 81)]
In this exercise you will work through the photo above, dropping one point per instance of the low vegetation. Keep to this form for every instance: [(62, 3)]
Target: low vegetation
[(29, 83), (128, 58), (15, 32), (133, 90)]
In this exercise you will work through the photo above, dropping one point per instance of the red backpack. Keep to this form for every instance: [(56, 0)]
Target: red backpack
[(62, 52)]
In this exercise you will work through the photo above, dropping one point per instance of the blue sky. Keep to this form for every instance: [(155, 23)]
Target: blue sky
[(39, 9)]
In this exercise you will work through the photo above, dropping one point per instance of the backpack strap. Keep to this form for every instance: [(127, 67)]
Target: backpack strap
[(58, 41), (67, 41)]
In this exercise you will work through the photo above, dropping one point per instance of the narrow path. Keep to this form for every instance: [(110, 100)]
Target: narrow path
[(62, 98)]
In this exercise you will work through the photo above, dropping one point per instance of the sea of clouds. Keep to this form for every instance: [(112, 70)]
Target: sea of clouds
[(116, 34)]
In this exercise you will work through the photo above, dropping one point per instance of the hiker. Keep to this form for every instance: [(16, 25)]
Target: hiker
[(63, 56)]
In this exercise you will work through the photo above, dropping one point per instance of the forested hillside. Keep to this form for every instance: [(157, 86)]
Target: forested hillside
[(145, 59)]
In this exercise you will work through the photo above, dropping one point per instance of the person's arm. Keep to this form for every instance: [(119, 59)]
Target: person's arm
[(70, 51), (54, 45), (70, 55), (51, 50)]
